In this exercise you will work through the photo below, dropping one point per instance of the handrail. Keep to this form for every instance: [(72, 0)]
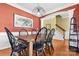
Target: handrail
[(62, 30), (60, 27)]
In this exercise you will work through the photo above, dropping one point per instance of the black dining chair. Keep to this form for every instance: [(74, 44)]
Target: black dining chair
[(18, 46), (38, 46), (48, 31), (49, 40), (34, 31), (23, 32)]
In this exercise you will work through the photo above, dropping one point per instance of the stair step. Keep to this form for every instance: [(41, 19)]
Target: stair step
[(74, 40), (73, 24), (73, 34), (74, 29)]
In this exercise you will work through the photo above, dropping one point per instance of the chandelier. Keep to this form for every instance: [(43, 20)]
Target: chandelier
[(39, 11)]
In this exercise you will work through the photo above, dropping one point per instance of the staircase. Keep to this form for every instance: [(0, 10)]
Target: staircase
[(58, 35), (60, 31)]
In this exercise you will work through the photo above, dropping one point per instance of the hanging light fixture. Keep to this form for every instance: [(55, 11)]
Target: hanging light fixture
[(38, 10)]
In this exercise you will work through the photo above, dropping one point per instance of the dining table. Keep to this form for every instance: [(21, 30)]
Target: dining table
[(30, 39)]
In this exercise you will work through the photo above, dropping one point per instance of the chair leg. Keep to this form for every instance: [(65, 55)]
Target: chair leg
[(52, 48), (25, 52), (44, 52), (22, 52), (49, 49), (11, 53), (19, 53), (36, 53), (39, 53), (14, 53)]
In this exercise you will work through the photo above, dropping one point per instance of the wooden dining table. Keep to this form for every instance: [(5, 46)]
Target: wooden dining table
[(30, 39)]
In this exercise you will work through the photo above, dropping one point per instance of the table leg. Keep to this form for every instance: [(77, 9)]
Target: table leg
[(30, 48)]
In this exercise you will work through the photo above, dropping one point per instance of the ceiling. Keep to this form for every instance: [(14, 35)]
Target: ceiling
[(49, 7)]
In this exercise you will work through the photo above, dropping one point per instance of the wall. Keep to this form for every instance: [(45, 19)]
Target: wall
[(53, 22), (71, 14), (63, 22), (76, 11), (50, 21), (7, 18), (47, 23)]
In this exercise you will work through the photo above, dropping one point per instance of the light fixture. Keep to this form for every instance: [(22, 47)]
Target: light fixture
[(38, 10)]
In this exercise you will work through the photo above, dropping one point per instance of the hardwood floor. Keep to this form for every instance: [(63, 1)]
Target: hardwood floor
[(60, 49)]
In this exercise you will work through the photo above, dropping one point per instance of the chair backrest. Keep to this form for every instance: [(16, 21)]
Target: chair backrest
[(23, 32), (11, 38), (48, 31), (50, 35), (41, 35), (34, 31)]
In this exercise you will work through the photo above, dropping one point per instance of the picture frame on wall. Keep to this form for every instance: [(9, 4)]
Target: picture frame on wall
[(22, 21)]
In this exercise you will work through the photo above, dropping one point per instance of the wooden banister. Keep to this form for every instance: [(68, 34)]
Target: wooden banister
[(60, 27), (62, 30)]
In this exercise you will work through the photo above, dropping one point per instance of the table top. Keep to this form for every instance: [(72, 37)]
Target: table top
[(27, 38)]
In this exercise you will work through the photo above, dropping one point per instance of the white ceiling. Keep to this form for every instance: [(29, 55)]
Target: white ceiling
[(49, 7)]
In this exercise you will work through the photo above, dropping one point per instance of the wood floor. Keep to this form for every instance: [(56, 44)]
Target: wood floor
[(60, 49)]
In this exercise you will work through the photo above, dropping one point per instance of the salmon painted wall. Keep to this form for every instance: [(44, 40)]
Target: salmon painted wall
[(76, 13), (7, 18)]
